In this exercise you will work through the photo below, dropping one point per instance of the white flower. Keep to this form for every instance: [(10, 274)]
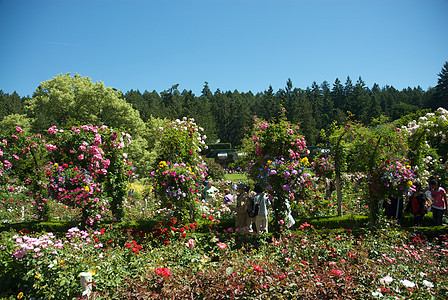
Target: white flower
[(407, 283), (386, 280), (377, 294), (428, 284)]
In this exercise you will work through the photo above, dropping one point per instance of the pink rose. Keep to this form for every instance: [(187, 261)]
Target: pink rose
[(222, 245)]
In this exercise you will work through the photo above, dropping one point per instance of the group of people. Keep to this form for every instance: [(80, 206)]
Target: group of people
[(432, 198), (245, 200)]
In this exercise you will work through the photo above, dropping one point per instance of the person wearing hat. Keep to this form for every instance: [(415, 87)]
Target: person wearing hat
[(243, 202)]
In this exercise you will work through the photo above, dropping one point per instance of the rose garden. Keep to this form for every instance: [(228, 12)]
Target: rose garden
[(73, 201)]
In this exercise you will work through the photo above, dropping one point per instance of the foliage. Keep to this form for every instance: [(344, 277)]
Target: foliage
[(214, 169), (181, 141), (66, 100), (360, 149)]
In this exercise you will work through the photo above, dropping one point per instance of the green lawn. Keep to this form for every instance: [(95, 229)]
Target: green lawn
[(235, 177)]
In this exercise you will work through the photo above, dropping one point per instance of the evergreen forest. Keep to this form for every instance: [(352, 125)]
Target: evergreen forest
[(226, 115)]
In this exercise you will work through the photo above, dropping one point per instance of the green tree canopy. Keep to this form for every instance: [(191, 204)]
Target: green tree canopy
[(67, 100)]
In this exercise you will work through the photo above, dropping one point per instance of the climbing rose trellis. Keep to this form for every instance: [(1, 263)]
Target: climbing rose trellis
[(180, 169), (276, 156), (84, 167), (89, 169), (427, 140)]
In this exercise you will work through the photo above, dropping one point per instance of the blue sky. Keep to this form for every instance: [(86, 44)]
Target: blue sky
[(243, 45)]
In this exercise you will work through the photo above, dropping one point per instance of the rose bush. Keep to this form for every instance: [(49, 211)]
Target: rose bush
[(306, 263), (180, 168)]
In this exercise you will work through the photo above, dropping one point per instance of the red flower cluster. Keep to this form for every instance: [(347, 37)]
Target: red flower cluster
[(163, 271), (306, 225), (134, 247), (258, 268)]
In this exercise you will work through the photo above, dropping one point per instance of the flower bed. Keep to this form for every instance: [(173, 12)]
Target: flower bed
[(304, 264)]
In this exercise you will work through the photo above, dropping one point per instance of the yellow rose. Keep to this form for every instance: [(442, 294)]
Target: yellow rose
[(86, 188), (305, 161), (410, 183), (37, 276), (20, 295)]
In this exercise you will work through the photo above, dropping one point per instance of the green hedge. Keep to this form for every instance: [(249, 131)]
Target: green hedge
[(354, 222)]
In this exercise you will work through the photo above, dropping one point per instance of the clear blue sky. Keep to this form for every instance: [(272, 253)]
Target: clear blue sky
[(234, 44)]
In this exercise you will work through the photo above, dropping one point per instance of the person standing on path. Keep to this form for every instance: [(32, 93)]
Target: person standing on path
[(261, 219), (243, 203), (416, 204), (438, 206)]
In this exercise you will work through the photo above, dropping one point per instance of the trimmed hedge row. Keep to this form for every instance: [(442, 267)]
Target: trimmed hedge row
[(353, 222)]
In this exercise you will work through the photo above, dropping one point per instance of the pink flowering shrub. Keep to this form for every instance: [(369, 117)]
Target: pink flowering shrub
[(83, 167), (21, 160), (89, 166)]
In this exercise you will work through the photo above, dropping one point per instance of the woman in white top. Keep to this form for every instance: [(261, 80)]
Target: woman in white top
[(262, 200)]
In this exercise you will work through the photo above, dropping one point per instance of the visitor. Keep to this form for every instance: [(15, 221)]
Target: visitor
[(209, 192), (243, 202), (416, 204), (329, 188), (289, 218), (394, 208), (438, 206), (228, 197), (262, 200)]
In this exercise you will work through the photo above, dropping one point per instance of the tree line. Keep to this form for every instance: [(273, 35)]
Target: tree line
[(226, 115)]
